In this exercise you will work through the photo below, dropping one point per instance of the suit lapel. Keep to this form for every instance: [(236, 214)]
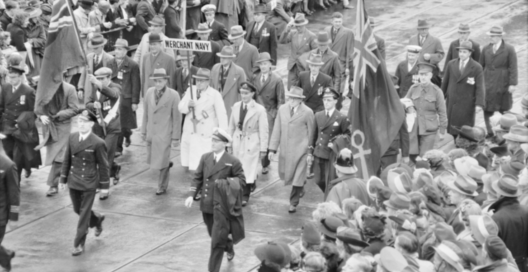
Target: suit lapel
[(231, 79), (457, 69), (467, 69), (315, 88), (163, 99), (330, 120), (14, 94), (221, 164), (297, 114), (80, 146)]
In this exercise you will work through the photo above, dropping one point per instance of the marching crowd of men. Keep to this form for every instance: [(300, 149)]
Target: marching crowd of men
[(231, 114)]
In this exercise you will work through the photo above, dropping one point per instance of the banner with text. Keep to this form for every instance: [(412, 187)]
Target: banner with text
[(181, 44)]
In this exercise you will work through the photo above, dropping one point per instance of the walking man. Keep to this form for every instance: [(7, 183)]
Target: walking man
[(85, 169)]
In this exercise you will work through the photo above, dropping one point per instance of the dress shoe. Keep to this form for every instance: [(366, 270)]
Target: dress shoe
[(161, 192), (117, 176), (171, 164), (118, 154), (292, 209), (52, 191), (78, 251), (99, 227), (127, 142), (230, 256), (265, 170), (244, 203), (28, 173)]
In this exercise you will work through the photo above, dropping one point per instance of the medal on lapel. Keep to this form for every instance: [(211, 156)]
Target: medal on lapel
[(120, 75), (23, 100), (471, 80)]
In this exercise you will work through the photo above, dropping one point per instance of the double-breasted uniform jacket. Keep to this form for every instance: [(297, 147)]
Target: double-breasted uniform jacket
[(85, 164), (208, 172), (264, 39), (270, 94), (300, 44), (331, 67), (181, 82), (218, 33), (452, 52), (151, 62), (62, 107), (314, 94), (464, 90), (342, 44), (430, 108), (235, 77), (84, 82), (406, 77), (293, 135), (208, 59), (250, 137), (500, 72), (9, 190), (108, 97), (247, 58), (161, 125), (431, 45), (127, 76), (326, 130)]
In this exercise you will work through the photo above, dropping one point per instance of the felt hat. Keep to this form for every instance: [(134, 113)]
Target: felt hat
[(475, 134), (248, 86), (103, 72), (208, 7), (496, 31), (315, 59), (373, 185), (154, 38), (121, 43), (488, 179), (46, 9), (447, 251), (462, 164), (202, 73), (159, 73), (463, 28), (296, 92), (482, 159), (88, 115), (262, 8), (157, 21), (512, 167), (97, 40), (270, 253), (351, 236), (500, 151), (422, 24), (422, 177), (398, 201), (203, 28), (508, 185), (482, 226), (331, 92), (399, 181), (264, 56), (184, 55), (391, 259), (414, 49), (221, 135), (518, 133), (236, 32), (300, 20), (506, 122), (310, 234), (328, 226), (227, 52), (467, 45), (323, 38), (463, 185), (424, 67), (476, 172), (345, 162)]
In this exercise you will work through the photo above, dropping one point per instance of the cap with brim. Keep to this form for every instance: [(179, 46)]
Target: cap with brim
[(208, 7), (264, 56), (449, 255), (507, 186), (236, 32), (518, 133), (345, 162), (248, 86), (464, 28), (463, 185), (351, 236), (495, 31), (482, 226), (103, 72), (88, 115), (295, 92), (331, 92), (17, 68), (424, 67), (159, 74), (221, 135), (227, 52), (414, 49)]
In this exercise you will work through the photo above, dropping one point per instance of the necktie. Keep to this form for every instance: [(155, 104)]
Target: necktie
[(422, 40), (461, 66), (495, 49), (214, 159), (327, 114), (237, 49), (263, 78), (184, 72), (292, 111), (312, 80)]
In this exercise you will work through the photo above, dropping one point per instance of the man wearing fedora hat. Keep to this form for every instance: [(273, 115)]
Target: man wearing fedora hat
[(218, 31), (156, 27), (227, 76), (206, 59), (314, 82), (182, 75), (302, 40), (331, 64), (161, 125), (246, 53), (463, 86), (342, 39), (517, 135), (460, 188), (506, 121), (407, 70), (97, 59), (432, 51), (156, 59), (125, 73), (499, 61), (463, 36), (270, 94), (204, 109), (511, 218), (294, 122), (261, 33)]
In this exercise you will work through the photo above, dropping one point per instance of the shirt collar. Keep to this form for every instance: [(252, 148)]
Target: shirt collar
[(498, 44), (330, 112), (84, 136), (15, 87), (218, 156)]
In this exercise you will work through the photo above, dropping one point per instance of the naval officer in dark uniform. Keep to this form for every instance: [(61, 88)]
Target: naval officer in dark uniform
[(219, 172), (85, 169)]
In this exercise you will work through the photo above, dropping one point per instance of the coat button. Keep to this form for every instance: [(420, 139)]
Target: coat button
[(205, 195), (82, 176)]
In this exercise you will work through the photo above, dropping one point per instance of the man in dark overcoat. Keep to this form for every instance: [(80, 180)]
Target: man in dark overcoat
[(499, 61), (85, 169), (10, 192), (125, 73), (407, 70), (463, 85), (313, 82), (218, 30), (206, 59), (105, 102), (261, 33), (17, 99), (463, 36), (270, 94), (217, 171), (432, 51)]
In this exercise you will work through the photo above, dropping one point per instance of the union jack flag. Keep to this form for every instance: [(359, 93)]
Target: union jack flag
[(364, 47)]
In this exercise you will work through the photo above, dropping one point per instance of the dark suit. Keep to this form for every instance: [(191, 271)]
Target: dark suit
[(183, 83), (406, 78), (19, 148), (127, 76), (172, 21), (205, 180), (208, 59), (265, 39), (145, 13), (9, 192), (85, 169), (218, 33), (326, 130), (452, 53), (314, 94)]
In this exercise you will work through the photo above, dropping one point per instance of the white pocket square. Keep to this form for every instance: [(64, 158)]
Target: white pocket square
[(336, 124), (229, 164)]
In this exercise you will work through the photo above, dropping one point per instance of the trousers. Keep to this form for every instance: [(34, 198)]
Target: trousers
[(82, 205), (220, 243), (54, 174), (295, 195), (163, 181)]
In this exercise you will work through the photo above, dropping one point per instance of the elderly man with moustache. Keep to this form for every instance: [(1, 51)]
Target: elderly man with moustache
[(407, 70), (432, 51), (313, 83)]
